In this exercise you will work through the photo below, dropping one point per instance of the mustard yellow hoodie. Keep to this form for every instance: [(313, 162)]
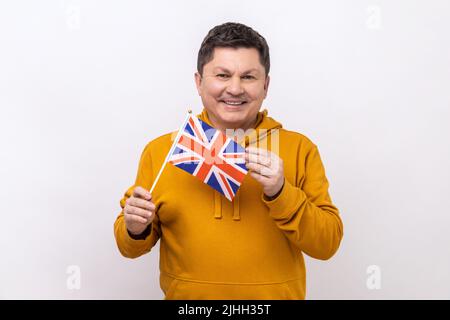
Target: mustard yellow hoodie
[(211, 248)]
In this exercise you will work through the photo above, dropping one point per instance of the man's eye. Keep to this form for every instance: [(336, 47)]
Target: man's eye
[(222, 75), (248, 77)]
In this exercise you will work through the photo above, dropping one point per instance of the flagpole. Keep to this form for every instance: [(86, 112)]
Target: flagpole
[(171, 150)]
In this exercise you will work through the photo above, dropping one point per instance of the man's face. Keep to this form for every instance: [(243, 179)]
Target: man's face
[(233, 87)]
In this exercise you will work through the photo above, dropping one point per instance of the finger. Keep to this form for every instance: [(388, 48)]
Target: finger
[(259, 168), (254, 150), (263, 153), (134, 218), (141, 203), (261, 179), (140, 192), (254, 158), (139, 212)]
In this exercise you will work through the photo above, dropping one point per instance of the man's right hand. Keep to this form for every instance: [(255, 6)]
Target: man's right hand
[(139, 211)]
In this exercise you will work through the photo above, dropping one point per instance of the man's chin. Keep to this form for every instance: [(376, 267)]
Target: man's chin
[(231, 117), (232, 121)]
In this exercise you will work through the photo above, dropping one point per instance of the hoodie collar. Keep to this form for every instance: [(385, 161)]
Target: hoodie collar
[(264, 124)]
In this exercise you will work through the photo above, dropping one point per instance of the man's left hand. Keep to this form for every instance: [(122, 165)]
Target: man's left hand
[(266, 168)]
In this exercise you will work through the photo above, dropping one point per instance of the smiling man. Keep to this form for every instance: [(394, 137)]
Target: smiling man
[(232, 83), (251, 248)]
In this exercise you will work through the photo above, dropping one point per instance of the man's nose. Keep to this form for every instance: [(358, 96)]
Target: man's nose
[(235, 86)]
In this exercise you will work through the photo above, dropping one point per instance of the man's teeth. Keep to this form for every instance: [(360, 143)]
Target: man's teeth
[(234, 103)]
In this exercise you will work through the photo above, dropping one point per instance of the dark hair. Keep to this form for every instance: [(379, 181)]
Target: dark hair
[(232, 35)]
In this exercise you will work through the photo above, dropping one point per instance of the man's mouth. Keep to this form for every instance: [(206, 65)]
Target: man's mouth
[(234, 102)]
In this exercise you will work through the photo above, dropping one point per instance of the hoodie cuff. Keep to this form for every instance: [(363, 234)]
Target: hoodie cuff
[(143, 235), (287, 203), (134, 243)]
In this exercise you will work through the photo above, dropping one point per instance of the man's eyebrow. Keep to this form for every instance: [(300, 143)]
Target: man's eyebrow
[(250, 71), (228, 71), (221, 69)]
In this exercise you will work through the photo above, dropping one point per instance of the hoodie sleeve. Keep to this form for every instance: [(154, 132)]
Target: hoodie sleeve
[(306, 215), (128, 246)]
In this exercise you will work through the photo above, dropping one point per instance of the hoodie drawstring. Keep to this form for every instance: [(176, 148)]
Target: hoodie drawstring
[(236, 213), (217, 206)]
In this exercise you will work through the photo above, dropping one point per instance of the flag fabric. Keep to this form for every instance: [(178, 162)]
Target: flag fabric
[(209, 155)]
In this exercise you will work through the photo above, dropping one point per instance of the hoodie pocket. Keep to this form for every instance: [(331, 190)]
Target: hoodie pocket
[(171, 290), (168, 285), (179, 289)]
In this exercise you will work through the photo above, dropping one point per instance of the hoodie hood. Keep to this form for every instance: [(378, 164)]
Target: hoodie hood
[(263, 130)]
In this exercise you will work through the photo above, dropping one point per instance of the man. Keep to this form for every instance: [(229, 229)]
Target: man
[(252, 247)]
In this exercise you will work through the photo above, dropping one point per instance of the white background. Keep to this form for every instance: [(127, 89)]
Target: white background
[(84, 85)]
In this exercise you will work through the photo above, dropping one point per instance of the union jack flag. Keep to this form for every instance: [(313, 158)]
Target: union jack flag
[(209, 155)]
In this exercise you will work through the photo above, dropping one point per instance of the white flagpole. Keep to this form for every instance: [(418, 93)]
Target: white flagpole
[(171, 150)]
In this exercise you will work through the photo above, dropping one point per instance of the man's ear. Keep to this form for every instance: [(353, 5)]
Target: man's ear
[(266, 86), (198, 83)]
